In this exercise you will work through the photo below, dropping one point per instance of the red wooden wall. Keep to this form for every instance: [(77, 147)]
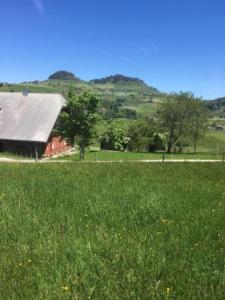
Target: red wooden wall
[(56, 145)]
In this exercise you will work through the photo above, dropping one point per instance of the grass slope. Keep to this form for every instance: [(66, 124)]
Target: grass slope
[(112, 232), (212, 146), (133, 156), (135, 95), (212, 141)]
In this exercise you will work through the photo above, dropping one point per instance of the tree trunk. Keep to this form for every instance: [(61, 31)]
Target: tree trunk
[(82, 151), (169, 147), (195, 146)]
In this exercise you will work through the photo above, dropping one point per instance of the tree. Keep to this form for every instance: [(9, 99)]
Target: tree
[(78, 120), (182, 116), (114, 137), (197, 121), (173, 117), (141, 134)]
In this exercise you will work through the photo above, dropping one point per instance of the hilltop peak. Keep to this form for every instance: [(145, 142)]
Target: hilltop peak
[(63, 75), (118, 78)]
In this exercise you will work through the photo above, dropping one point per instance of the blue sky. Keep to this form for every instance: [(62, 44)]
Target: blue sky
[(171, 44)]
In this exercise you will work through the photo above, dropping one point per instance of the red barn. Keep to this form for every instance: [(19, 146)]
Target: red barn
[(27, 122), (55, 145)]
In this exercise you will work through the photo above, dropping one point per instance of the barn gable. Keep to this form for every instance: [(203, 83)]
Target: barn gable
[(26, 123), (29, 117)]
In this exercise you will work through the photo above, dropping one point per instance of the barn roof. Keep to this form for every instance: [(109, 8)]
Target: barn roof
[(28, 117)]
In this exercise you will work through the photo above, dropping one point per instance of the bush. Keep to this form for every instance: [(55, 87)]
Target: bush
[(114, 138)]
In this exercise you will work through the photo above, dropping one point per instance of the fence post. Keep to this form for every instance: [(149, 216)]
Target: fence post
[(36, 153), (163, 159)]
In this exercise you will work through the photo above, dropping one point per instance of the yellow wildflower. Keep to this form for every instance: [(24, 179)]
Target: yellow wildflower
[(65, 288), (168, 291), (163, 221)]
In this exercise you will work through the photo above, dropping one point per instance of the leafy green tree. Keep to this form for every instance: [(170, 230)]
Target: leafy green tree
[(157, 143), (182, 116), (114, 137), (127, 113), (198, 121), (141, 134), (78, 120), (173, 117)]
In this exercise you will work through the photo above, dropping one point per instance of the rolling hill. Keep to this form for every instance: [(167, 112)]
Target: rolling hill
[(131, 93), (117, 92)]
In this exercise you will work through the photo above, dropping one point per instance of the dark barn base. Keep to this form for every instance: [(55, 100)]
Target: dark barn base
[(24, 149)]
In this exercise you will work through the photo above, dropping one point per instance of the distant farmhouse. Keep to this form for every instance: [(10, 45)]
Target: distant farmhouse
[(26, 124)]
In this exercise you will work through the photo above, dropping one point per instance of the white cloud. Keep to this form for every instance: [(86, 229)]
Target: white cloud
[(39, 6)]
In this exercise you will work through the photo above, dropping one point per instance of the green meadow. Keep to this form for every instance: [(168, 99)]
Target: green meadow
[(210, 147), (112, 231), (213, 141), (94, 154)]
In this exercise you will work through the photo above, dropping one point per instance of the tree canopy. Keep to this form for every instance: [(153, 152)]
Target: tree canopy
[(114, 137), (141, 134), (182, 115), (78, 120)]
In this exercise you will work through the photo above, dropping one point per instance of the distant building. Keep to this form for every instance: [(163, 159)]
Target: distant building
[(219, 127), (27, 121)]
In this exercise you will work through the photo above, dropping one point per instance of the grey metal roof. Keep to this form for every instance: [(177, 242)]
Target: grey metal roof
[(28, 118)]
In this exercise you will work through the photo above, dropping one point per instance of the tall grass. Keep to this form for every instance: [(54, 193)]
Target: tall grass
[(96, 155), (131, 231)]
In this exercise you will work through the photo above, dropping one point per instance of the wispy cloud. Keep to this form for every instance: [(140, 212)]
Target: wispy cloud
[(102, 51), (127, 60), (212, 90), (39, 6), (152, 49), (143, 50)]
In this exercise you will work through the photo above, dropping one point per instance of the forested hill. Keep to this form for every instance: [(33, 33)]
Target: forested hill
[(62, 75), (215, 104), (118, 79), (121, 96), (123, 80), (62, 81)]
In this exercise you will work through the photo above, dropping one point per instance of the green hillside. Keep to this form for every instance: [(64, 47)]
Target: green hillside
[(122, 96), (128, 96)]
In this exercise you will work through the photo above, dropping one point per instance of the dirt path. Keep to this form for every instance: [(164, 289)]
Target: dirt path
[(50, 161)]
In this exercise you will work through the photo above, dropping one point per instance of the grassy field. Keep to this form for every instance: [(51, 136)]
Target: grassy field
[(212, 146), (212, 141), (146, 109), (129, 231), (129, 156), (32, 88)]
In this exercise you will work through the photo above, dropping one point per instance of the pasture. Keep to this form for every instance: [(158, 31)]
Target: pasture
[(113, 231), (96, 155), (210, 147)]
